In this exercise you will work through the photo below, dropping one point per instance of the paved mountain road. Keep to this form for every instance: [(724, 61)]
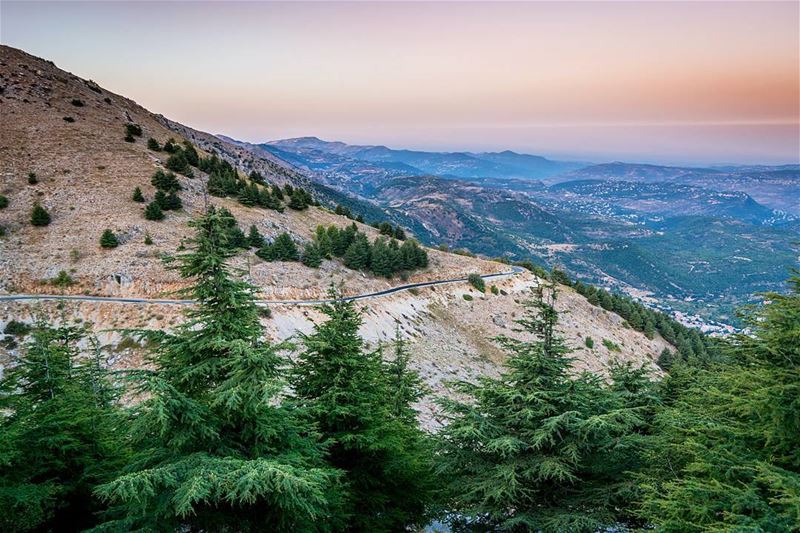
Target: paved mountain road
[(366, 296)]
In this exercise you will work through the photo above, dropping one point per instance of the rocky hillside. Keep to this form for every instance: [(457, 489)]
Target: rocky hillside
[(69, 133)]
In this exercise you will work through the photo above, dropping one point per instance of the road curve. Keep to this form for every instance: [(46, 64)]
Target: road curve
[(366, 296)]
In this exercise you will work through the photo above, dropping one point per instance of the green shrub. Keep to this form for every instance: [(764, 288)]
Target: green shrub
[(468, 297), (138, 196), (133, 130), (39, 215), (77, 103), (611, 345), (589, 342), (108, 239), (62, 279), (495, 290), (32, 179), (477, 281), (3, 202), (153, 212), (153, 145), (17, 328), (148, 240)]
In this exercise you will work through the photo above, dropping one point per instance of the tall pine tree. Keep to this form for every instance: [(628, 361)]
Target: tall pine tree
[(216, 450)]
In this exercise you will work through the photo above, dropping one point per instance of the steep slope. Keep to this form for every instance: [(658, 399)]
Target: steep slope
[(86, 173)]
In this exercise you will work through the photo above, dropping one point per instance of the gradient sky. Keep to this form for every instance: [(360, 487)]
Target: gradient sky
[(679, 82)]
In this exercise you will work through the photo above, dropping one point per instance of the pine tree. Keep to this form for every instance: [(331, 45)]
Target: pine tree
[(358, 254), (284, 248), (323, 241), (311, 256), (153, 145), (190, 153), (525, 453), (254, 238), (108, 239), (170, 147), (215, 449), (298, 200), (60, 434), (384, 454), (724, 452), (383, 260), (153, 212), (177, 162), (165, 181), (137, 195), (39, 215)]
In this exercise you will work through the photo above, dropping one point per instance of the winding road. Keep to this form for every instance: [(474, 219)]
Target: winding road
[(366, 296)]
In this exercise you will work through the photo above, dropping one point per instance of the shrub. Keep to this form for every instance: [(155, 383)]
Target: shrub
[(468, 297), (589, 342), (611, 345), (153, 145), (17, 328), (179, 163), (108, 239), (477, 281), (311, 256), (32, 179), (129, 139), (3, 202), (495, 290), (39, 215), (69, 119), (2, 231), (62, 279), (153, 212), (170, 147), (133, 130), (77, 103), (138, 196), (148, 240)]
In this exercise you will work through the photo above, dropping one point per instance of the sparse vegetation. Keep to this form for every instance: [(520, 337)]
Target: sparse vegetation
[(467, 297), (148, 240), (62, 280), (611, 345), (32, 179), (477, 281), (68, 119), (77, 103), (153, 145), (3, 201), (494, 290), (589, 342)]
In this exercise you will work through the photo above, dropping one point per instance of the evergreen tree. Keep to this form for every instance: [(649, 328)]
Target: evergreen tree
[(137, 195), (383, 260), (167, 202), (60, 434), (39, 215), (323, 241), (256, 177), (277, 192), (170, 147), (358, 254), (311, 256), (284, 248), (165, 181), (384, 454), (526, 452), (254, 238), (177, 162), (108, 239), (215, 450), (3, 201), (724, 455), (298, 200), (399, 233), (153, 145), (153, 212), (190, 153)]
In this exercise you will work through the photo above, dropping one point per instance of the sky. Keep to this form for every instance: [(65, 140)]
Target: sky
[(665, 82)]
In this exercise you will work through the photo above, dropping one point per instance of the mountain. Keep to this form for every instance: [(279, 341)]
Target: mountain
[(631, 227), (505, 164), (70, 133)]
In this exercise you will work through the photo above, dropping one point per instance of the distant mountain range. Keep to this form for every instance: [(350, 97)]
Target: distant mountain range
[(703, 239)]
